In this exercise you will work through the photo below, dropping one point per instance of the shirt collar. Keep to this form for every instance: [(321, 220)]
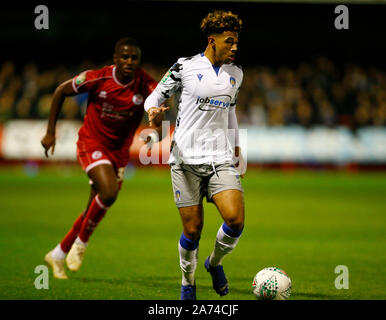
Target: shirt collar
[(216, 68), (119, 83)]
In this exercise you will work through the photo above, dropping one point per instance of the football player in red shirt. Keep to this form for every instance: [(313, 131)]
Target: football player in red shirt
[(114, 112)]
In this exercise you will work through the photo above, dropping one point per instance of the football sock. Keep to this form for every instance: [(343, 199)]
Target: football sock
[(72, 234), (94, 215), (226, 241), (77, 240), (188, 250), (58, 253)]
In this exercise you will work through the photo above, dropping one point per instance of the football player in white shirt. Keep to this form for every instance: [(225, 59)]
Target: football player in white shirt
[(202, 156)]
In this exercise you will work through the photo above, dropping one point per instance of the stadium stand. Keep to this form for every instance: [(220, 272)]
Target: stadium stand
[(315, 92)]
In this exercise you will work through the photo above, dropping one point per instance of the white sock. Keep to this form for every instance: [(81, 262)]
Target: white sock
[(77, 240), (188, 264), (224, 245), (58, 253)]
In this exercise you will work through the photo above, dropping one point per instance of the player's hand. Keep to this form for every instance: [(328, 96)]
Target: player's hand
[(149, 138), (240, 163), (48, 142), (156, 115)]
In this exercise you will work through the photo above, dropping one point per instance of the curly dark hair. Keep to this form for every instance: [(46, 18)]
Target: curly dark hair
[(219, 21)]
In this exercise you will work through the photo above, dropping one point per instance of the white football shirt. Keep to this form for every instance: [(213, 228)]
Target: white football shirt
[(205, 95)]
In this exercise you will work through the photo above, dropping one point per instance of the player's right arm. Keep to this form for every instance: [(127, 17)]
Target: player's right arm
[(164, 90), (84, 82), (62, 91)]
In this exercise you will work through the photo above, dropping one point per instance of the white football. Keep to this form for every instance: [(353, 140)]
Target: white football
[(272, 284)]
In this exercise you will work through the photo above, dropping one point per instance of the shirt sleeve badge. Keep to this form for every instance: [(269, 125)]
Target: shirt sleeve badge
[(81, 78)]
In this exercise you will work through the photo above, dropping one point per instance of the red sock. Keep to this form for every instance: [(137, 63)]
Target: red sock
[(70, 237), (95, 213)]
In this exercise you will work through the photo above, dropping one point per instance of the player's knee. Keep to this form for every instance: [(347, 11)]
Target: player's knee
[(109, 196), (193, 235), (235, 223), (193, 231)]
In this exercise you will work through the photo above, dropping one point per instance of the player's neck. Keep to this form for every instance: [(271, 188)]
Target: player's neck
[(211, 55), (124, 79)]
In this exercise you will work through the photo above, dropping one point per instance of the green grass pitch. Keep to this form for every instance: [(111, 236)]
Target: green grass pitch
[(304, 222)]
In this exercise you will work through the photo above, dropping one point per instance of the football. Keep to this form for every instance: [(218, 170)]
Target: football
[(272, 284)]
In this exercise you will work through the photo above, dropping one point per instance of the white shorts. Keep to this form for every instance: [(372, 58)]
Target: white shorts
[(191, 183)]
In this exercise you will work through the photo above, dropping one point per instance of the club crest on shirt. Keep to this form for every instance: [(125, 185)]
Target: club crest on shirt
[(102, 94), (199, 76), (80, 79), (96, 155), (232, 81), (178, 195), (137, 99)]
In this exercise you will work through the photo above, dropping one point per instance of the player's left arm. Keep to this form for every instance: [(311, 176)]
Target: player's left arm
[(232, 121), (233, 127)]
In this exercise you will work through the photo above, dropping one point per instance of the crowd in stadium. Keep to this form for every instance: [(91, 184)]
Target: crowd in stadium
[(315, 92)]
